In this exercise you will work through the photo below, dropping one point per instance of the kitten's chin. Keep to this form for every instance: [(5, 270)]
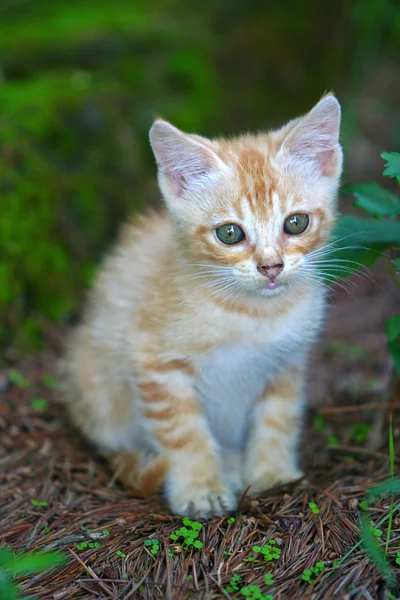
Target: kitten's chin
[(270, 291)]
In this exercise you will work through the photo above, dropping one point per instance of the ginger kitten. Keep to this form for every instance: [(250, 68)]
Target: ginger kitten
[(188, 368)]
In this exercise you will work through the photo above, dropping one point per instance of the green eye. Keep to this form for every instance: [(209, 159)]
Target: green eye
[(229, 234), (296, 224)]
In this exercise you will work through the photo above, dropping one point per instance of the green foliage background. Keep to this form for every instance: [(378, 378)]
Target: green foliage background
[(80, 82)]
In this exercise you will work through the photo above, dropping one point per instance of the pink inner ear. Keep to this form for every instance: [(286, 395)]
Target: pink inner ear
[(175, 183), (328, 161)]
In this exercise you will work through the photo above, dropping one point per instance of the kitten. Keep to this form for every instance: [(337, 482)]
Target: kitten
[(188, 368)]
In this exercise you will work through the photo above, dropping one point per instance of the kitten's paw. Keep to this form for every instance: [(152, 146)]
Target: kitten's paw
[(203, 502), (270, 477)]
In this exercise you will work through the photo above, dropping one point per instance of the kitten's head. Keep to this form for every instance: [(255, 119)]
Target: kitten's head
[(250, 210)]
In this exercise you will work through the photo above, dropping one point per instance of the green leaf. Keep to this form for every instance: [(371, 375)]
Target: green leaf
[(394, 349), (375, 200), (390, 486), (18, 379), (396, 262), (148, 542), (373, 548), (49, 380), (36, 562), (197, 544), (393, 328), (39, 502), (8, 590), (363, 240), (392, 166), (39, 404), (393, 335), (6, 557)]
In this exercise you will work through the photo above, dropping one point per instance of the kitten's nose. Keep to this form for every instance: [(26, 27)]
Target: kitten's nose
[(270, 271)]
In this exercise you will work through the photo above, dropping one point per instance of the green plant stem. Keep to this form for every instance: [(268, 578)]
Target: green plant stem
[(391, 455), (393, 274), (385, 518)]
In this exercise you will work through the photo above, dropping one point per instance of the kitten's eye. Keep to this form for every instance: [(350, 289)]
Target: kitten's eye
[(230, 234), (296, 224)]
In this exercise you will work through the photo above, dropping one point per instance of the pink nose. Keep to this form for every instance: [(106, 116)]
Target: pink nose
[(270, 271)]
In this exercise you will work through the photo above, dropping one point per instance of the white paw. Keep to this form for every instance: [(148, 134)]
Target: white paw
[(203, 502), (259, 482)]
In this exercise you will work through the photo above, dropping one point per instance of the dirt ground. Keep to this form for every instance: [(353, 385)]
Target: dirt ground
[(344, 454)]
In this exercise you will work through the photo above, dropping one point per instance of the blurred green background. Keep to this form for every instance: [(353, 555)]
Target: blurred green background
[(80, 83)]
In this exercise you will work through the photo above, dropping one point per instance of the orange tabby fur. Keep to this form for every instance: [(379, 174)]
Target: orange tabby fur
[(188, 369)]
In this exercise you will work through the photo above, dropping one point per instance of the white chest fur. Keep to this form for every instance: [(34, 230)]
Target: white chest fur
[(233, 376)]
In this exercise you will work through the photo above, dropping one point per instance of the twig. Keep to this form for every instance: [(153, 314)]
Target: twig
[(357, 450), (92, 574), (358, 407)]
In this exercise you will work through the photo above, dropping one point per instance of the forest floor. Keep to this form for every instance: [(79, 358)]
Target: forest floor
[(55, 493)]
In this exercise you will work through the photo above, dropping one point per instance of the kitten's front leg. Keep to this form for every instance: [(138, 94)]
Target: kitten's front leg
[(272, 446), (176, 424)]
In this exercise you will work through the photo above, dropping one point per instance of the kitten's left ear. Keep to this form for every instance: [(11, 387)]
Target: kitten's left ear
[(185, 165), (313, 144)]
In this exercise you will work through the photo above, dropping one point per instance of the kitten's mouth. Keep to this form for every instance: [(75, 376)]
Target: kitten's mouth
[(272, 288), (272, 285)]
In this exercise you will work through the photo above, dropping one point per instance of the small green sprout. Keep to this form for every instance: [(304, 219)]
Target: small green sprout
[(270, 551), (153, 545), (231, 520), (359, 432), (364, 505), (39, 503), (18, 379), (319, 423), (125, 575), (189, 533), (333, 440), (49, 380), (253, 592), (310, 575), (233, 584), (85, 545), (375, 531), (120, 554), (269, 579), (39, 404), (398, 559), (226, 553), (314, 508), (106, 532), (170, 553), (189, 576)]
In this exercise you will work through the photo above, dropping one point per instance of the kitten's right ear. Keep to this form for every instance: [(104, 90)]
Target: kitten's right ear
[(184, 163), (313, 144)]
